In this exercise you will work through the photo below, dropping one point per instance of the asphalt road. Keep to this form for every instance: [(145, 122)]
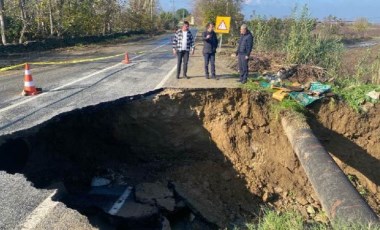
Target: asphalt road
[(65, 88), (70, 86)]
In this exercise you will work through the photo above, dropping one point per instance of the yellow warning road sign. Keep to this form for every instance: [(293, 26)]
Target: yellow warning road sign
[(222, 25)]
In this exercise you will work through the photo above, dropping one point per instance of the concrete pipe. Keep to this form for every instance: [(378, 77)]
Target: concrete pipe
[(338, 196)]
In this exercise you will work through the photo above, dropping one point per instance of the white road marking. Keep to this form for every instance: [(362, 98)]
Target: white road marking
[(70, 83), (120, 202), (40, 213), (166, 78)]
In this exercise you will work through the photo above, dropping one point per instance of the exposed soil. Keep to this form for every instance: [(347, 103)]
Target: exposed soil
[(354, 141), (220, 152)]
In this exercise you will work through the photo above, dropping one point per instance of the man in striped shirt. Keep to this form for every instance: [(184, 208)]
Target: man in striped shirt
[(183, 44)]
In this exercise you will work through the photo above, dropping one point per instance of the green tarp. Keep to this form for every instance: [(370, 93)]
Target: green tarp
[(303, 98)]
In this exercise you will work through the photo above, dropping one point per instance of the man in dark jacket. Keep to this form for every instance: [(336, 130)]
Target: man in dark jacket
[(210, 43), (244, 51), (183, 44)]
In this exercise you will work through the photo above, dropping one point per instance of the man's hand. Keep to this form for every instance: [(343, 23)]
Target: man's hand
[(192, 51), (174, 52), (208, 36), (246, 57)]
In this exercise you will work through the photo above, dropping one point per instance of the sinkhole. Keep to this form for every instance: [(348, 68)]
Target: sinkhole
[(188, 159)]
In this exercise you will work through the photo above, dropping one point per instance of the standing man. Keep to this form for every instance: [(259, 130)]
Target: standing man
[(244, 51), (183, 44), (210, 43)]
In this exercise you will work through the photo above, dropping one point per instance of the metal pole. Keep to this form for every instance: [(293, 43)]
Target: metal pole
[(220, 44)]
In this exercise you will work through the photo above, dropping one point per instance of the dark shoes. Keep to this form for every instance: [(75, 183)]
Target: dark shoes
[(207, 77)]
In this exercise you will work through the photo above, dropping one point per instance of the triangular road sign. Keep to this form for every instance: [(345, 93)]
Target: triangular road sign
[(222, 26)]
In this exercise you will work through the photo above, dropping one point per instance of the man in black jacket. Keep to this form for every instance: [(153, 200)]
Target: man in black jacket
[(244, 51), (210, 43)]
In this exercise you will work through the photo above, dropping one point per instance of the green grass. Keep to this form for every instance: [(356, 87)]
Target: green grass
[(254, 85), (278, 107), (273, 220), (280, 221), (354, 92)]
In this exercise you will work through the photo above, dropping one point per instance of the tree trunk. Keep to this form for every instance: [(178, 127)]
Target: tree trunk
[(59, 19), (23, 19), (2, 23), (51, 19)]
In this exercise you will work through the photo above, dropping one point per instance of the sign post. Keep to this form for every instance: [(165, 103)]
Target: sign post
[(222, 26)]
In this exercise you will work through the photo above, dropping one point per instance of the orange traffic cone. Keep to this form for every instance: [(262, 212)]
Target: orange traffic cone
[(29, 87), (126, 58)]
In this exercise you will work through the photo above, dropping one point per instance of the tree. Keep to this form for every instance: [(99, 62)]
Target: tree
[(167, 21), (23, 19), (2, 23), (206, 11), (181, 13)]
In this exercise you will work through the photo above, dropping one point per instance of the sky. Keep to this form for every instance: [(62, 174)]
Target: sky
[(344, 9)]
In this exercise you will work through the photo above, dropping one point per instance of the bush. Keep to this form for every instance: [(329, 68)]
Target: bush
[(296, 38)]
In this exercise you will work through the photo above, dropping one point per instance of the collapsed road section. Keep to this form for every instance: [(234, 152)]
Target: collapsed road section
[(194, 159)]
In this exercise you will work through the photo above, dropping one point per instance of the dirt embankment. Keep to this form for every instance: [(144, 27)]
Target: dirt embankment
[(354, 141)]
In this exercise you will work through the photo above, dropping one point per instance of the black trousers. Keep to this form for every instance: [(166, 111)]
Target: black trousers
[(209, 58), (182, 55), (243, 67)]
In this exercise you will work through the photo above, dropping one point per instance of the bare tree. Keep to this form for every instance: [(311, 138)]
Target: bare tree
[(23, 19), (2, 23), (59, 4), (51, 19)]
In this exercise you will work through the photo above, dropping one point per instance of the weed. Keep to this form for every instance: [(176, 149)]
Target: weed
[(278, 221), (375, 71), (354, 92), (273, 220), (277, 108), (254, 85), (295, 36)]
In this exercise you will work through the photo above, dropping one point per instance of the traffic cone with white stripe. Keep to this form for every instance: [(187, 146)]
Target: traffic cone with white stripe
[(29, 87), (126, 58)]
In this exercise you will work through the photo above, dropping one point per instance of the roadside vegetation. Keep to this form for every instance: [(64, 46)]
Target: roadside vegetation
[(49, 22), (301, 39), (273, 220)]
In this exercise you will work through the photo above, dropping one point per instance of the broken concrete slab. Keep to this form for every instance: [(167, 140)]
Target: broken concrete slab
[(134, 210), (203, 208)]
